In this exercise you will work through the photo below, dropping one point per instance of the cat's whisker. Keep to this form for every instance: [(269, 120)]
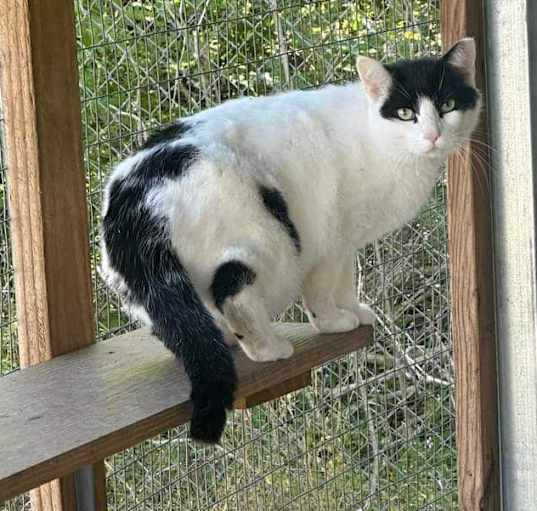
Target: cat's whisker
[(403, 90), (482, 155), (479, 135), (400, 161), (478, 148), (459, 154), (481, 131), (477, 141), (474, 140), (442, 78), (479, 166), (481, 175)]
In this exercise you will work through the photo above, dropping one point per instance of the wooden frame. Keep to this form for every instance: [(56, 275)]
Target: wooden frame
[(47, 192), (472, 290)]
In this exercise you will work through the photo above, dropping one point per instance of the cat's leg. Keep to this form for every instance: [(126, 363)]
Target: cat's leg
[(319, 299), (250, 322), (223, 326), (345, 291)]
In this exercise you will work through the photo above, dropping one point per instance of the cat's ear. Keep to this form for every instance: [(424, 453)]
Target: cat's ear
[(376, 79), (462, 56)]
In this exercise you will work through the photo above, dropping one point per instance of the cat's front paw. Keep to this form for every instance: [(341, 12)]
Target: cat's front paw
[(365, 314), (339, 320)]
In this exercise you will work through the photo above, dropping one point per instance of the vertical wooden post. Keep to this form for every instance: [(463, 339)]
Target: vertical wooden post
[(39, 82), (470, 249)]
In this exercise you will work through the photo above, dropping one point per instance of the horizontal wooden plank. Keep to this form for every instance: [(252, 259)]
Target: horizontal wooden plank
[(84, 406)]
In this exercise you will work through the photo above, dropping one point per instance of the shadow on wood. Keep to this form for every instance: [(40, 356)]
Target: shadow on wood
[(84, 406), (273, 392)]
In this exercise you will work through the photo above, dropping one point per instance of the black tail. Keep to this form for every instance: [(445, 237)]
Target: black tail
[(181, 321), (185, 326), (139, 249)]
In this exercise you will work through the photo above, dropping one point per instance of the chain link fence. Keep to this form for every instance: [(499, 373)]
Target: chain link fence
[(376, 429)]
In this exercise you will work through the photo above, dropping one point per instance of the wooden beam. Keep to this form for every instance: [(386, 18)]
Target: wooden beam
[(39, 83), (87, 405), (470, 250), (274, 392)]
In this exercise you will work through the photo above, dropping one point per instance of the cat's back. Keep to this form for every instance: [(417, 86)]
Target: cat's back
[(265, 121), (267, 126), (216, 160)]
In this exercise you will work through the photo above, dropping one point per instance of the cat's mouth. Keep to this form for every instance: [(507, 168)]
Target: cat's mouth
[(436, 154), (433, 153)]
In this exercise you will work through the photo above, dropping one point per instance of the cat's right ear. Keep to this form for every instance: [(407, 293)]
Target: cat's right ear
[(375, 77), (462, 56)]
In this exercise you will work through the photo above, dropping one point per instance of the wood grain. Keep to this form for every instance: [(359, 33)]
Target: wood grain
[(470, 250), (39, 83), (273, 392), (84, 406)]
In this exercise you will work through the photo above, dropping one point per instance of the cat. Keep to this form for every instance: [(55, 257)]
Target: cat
[(223, 218)]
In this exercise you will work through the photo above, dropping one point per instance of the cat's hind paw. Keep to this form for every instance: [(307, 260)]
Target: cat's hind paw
[(366, 314), (268, 351), (340, 320)]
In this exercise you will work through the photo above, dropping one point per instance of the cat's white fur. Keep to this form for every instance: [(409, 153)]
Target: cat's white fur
[(348, 175)]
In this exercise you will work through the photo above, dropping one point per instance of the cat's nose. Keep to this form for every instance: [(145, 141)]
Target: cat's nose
[(432, 136)]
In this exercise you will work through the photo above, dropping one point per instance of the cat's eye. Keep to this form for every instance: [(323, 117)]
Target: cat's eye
[(447, 106), (406, 114)]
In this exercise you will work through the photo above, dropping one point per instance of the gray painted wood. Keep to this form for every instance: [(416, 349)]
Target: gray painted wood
[(512, 105)]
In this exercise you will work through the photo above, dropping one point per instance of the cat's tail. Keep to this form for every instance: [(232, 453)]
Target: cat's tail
[(139, 258), (185, 326)]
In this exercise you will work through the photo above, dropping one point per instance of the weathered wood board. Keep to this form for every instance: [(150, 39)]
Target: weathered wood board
[(84, 406)]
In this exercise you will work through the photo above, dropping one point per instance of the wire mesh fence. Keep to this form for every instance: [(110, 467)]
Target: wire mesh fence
[(375, 431), (9, 357)]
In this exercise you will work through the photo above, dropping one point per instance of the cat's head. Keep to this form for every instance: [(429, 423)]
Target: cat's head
[(426, 107)]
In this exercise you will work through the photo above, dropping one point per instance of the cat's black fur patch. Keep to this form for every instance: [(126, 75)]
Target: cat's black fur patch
[(165, 162), (277, 207), (436, 79), (229, 279), (140, 250), (166, 133)]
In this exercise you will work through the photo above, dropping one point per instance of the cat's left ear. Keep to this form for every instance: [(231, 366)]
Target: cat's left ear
[(462, 56), (376, 79)]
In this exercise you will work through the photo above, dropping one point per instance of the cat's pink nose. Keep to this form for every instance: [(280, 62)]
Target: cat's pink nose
[(431, 136)]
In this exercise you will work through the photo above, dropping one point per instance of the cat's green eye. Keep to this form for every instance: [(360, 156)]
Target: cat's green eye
[(406, 114), (447, 106)]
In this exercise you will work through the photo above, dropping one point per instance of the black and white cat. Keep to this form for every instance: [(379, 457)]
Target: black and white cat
[(224, 218)]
